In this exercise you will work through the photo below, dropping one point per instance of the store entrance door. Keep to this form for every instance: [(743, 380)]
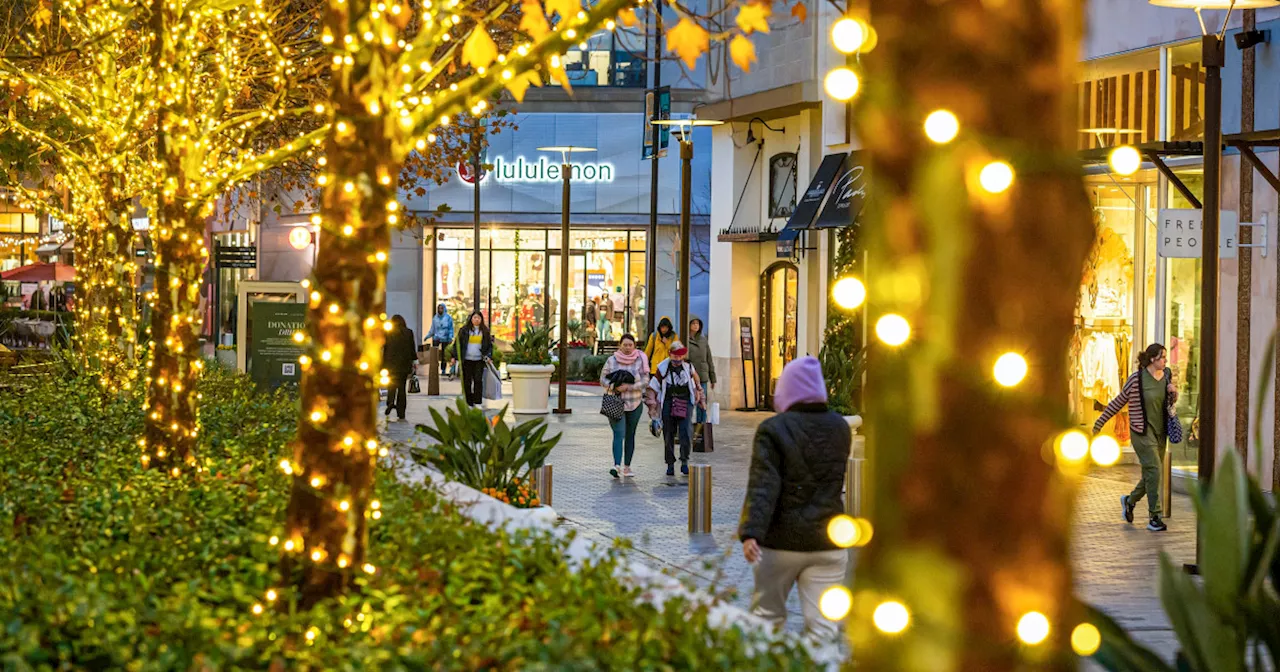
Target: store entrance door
[(779, 285), (577, 290)]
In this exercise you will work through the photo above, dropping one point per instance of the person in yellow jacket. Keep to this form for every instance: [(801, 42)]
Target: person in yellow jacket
[(658, 350)]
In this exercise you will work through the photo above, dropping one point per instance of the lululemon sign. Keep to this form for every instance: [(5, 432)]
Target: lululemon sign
[(523, 170), (1181, 234)]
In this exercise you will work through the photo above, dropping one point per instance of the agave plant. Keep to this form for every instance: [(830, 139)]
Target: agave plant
[(1224, 623), (533, 346), (473, 450)]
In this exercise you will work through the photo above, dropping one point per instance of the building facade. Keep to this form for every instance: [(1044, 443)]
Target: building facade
[(1141, 82)]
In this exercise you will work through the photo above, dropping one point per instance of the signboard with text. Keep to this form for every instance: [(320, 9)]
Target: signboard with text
[(273, 354), (657, 107), (1180, 234), (748, 340)]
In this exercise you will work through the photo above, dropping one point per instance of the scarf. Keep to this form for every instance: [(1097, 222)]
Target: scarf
[(626, 360)]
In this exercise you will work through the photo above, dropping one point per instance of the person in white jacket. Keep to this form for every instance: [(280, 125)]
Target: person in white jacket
[(679, 391)]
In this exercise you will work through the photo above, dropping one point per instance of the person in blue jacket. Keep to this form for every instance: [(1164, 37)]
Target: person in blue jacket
[(442, 336)]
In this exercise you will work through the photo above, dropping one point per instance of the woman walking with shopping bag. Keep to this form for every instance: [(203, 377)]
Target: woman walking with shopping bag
[(678, 391), (399, 358), (626, 376), (474, 348), (1150, 394)]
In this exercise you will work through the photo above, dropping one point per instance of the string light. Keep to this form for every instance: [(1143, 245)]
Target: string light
[(1010, 369), (941, 126), (893, 330), (891, 617), (1104, 450), (1033, 628), (1085, 639), (996, 177), (835, 603)]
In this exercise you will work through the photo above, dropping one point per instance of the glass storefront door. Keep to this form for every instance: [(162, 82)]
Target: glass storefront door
[(1182, 332), (577, 293), (779, 297)]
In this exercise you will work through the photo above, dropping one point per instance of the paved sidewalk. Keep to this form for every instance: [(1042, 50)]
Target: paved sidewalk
[(1116, 563)]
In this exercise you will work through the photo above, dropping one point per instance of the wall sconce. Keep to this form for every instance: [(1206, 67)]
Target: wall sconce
[(300, 237)]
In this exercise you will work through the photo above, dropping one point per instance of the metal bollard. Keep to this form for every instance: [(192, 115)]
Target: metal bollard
[(853, 486), (543, 480), (699, 499)]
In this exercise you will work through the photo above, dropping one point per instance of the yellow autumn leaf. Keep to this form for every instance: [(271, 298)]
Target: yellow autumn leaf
[(743, 52), (532, 21), (479, 50), (689, 40), (754, 17), (42, 16), (520, 83), (627, 17), (565, 8)]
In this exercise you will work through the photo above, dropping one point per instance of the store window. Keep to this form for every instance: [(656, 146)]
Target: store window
[(19, 222), (455, 269), (601, 60), (1182, 331), (1112, 308)]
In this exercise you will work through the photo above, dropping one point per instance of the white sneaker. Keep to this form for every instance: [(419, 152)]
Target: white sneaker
[(627, 473), (614, 471)]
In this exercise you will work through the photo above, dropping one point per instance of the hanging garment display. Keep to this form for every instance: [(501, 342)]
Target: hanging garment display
[(1099, 370)]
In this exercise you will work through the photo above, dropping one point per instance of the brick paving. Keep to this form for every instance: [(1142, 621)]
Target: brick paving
[(1116, 564)]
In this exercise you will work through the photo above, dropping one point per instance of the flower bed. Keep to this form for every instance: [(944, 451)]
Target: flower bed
[(108, 566)]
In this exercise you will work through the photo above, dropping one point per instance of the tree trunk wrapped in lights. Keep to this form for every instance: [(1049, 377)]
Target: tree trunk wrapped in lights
[(384, 97), (971, 504)]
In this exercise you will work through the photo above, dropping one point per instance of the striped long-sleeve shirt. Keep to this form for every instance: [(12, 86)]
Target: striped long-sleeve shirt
[(1131, 394)]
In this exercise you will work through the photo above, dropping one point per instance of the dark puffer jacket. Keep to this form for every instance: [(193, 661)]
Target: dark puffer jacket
[(797, 477)]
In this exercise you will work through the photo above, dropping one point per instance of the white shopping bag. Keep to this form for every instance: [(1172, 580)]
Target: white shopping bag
[(713, 413), (492, 383)]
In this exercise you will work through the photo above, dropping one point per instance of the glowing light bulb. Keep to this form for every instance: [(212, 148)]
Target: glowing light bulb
[(849, 293), (369, 568), (1104, 450), (1073, 445), (1085, 639), (344, 505), (271, 595), (841, 84), (893, 330), (1125, 160), (996, 177), (843, 531), (941, 126), (1033, 628), (257, 609), (891, 617), (848, 35), (835, 603), (1010, 369)]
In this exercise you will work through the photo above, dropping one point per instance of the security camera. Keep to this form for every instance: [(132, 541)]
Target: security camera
[(1252, 38)]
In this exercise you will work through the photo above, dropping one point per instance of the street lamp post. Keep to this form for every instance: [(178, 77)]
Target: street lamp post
[(566, 177), (685, 127)]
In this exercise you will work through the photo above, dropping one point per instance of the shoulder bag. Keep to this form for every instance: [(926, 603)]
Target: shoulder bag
[(612, 407), (1172, 428)]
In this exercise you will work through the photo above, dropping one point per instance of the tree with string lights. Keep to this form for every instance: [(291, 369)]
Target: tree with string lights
[(402, 73), (978, 229), (76, 119)]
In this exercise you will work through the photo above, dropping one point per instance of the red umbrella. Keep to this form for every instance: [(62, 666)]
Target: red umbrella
[(54, 272)]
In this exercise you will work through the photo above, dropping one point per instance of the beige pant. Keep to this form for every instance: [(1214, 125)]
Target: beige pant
[(815, 572)]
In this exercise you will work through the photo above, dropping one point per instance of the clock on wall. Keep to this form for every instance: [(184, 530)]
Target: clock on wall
[(782, 185)]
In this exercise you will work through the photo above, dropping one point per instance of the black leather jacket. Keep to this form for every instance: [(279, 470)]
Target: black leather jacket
[(797, 478)]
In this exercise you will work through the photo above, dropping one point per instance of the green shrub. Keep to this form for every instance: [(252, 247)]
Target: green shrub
[(106, 566), (487, 455), (592, 365)]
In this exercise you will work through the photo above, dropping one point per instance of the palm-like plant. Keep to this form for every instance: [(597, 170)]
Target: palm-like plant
[(532, 347), (475, 451)]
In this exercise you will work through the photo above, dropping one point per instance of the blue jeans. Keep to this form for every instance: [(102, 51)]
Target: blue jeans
[(624, 434)]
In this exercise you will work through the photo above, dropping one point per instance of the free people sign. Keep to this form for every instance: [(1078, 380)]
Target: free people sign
[(1180, 233)]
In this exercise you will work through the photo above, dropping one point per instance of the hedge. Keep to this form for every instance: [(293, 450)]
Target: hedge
[(104, 565)]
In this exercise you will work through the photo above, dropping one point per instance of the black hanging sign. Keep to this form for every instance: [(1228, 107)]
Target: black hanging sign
[(807, 207), (847, 195)]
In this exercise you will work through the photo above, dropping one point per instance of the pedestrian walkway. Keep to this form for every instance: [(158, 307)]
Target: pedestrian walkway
[(1116, 563)]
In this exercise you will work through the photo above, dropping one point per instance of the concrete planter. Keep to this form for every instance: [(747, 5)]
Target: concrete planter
[(530, 388)]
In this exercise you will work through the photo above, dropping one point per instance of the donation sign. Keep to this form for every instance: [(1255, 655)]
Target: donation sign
[(273, 357)]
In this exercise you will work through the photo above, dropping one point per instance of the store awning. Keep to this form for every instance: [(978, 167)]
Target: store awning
[(41, 273), (809, 204), (847, 195)]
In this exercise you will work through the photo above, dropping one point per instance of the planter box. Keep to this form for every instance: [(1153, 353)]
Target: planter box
[(227, 357), (530, 388)]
